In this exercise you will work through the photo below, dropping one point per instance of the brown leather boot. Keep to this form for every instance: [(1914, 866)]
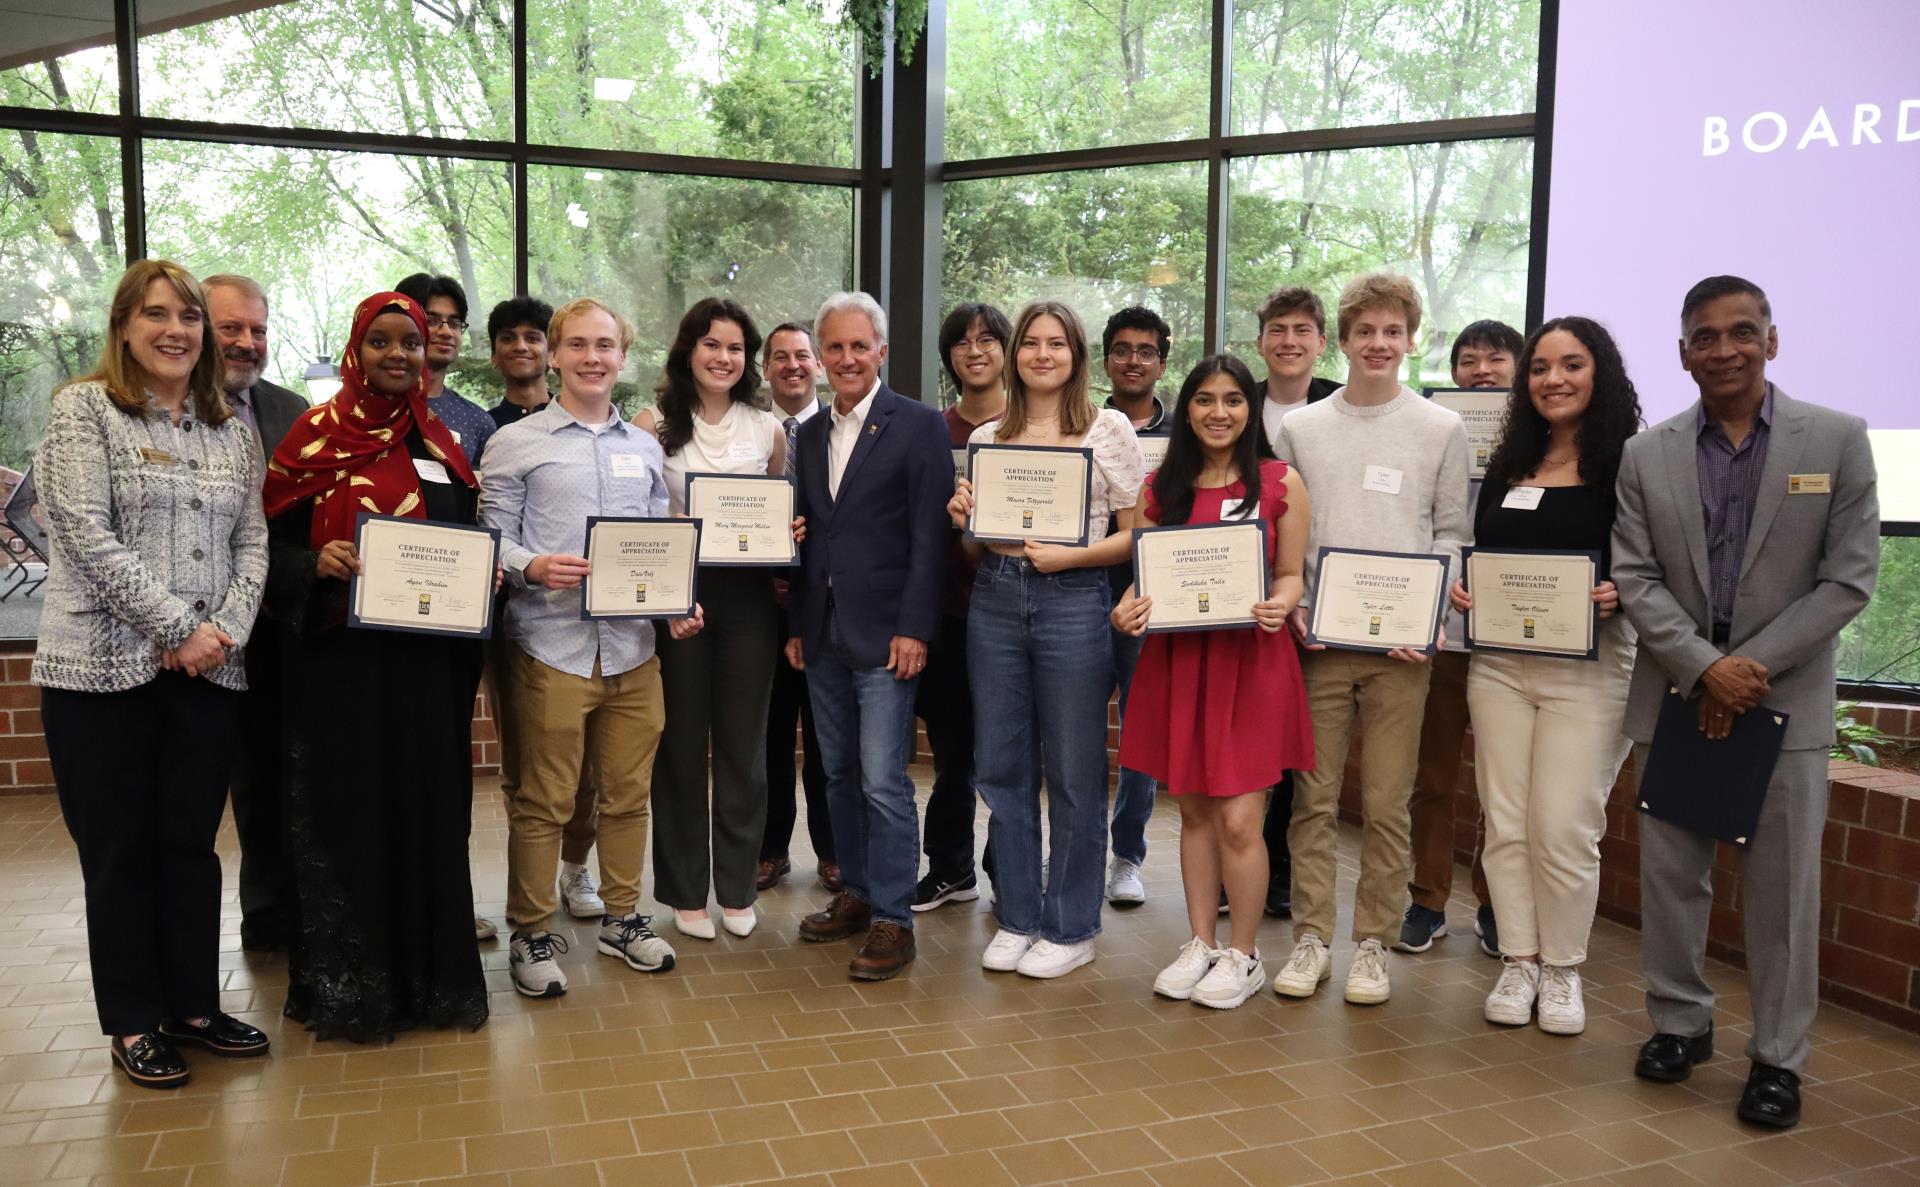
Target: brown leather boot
[(844, 916), (770, 872), (889, 948), (830, 876)]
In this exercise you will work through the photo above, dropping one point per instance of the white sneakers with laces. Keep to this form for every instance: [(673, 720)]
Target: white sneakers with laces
[(1177, 980), (1047, 959), (1367, 977), (1511, 1002), (1234, 978), (530, 958), (1309, 965), (1123, 883), (1004, 953), (578, 891), (1562, 1008)]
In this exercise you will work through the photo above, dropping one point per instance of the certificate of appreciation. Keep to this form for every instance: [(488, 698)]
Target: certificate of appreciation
[(1484, 410), (642, 568), (1029, 492), (1153, 450), (1201, 577), (1377, 601), (745, 519), (424, 576), (959, 466), (1535, 602)]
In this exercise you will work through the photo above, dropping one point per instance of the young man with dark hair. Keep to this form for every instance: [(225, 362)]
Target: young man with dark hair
[(1484, 354), (445, 303), (1135, 345), (517, 335)]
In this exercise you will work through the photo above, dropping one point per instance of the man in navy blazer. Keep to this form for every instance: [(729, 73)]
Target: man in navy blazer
[(873, 478)]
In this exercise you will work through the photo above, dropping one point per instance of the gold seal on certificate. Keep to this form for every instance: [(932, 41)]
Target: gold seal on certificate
[(1201, 577), (424, 576), (1377, 601), (1483, 410), (641, 568), (1536, 602), (1029, 492), (745, 519)]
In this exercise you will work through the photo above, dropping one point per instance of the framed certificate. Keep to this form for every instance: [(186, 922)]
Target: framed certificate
[(1202, 576), (745, 519), (1153, 450), (1484, 409), (642, 568), (1029, 492), (423, 576), (1377, 601), (1540, 603)]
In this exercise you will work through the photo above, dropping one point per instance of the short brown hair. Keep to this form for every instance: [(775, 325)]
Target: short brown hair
[(1291, 299), (581, 305), (125, 379), (1379, 290)]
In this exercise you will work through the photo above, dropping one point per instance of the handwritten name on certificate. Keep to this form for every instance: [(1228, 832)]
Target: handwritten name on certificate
[(1483, 410), (1377, 601), (1201, 577), (1030, 492), (423, 576), (745, 519), (1535, 602), (640, 568)]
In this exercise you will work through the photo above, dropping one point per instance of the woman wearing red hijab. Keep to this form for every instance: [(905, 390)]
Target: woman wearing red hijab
[(380, 775)]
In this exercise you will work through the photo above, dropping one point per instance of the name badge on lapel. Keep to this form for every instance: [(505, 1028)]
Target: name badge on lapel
[(1809, 484), (157, 457)]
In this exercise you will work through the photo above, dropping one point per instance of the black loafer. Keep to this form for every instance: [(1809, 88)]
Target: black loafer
[(149, 1061), (222, 1035), (1772, 1097), (1669, 1058), (1280, 895)]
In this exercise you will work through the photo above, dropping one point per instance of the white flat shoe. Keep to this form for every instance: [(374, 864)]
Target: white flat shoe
[(738, 925), (700, 927)]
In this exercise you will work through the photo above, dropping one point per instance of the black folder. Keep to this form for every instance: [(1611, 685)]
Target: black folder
[(1711, 787)]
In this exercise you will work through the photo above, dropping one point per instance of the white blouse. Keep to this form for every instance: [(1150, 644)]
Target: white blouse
[(742, 443), (1118, 470)]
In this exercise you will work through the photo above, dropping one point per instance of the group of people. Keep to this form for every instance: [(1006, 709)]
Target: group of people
[(203, 528)]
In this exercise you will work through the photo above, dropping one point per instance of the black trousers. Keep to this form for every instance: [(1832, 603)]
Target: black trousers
[(259, 800), (788, 704), (944, 701), (142, 777), (1274, 829)]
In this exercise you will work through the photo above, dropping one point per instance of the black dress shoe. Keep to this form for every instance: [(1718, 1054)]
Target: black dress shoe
[(263, 935), (1669, 1058), (1280, 895), (149, 1061), (1772, 1097), (222, 1035)]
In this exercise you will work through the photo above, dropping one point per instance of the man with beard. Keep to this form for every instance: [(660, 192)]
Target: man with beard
[(446, 305), (238, 309)]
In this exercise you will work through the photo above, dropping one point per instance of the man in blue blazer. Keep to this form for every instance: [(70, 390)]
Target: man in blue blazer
[(873, 478)]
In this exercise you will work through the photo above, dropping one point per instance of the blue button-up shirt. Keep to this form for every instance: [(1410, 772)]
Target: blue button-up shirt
[(472, 426), (544, 476), (1729, 487)]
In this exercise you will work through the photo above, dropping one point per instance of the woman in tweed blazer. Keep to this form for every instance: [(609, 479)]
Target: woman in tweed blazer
[(151, 489)]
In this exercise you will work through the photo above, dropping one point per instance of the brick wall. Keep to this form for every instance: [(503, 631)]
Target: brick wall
[(23, 744)]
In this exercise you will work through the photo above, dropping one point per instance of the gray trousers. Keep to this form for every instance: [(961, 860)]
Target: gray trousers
[(1780, 900)]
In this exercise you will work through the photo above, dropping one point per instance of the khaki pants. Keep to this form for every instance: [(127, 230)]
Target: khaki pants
[(566, 721), (1388, 697), (577, 838), (1443, 735)]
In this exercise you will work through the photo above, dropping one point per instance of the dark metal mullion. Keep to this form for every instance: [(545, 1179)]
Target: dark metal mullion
[(53, 119), (522, 249), (126, 40), (1214, 320), (1542, 162), (871, 200)]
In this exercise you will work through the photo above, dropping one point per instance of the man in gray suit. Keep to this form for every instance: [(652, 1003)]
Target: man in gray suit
[(238, 309), (1747, 538)]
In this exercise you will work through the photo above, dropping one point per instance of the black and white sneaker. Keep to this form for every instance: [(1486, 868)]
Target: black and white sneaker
[(530, 958), (932, 891), (631, 940)]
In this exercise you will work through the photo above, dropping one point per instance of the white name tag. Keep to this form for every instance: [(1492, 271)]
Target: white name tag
[(1524, 498), (1384, 479), (1230, 507), (742, 451), (1809, 484), (628, 465), (430, 470)]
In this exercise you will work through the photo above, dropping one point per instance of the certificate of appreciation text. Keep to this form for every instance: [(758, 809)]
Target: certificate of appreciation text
[(424, 576), (1484, 411), (641, 568), (1536, 602), (1377, 601), (1029, 492), (1201, 577), (745, 519)]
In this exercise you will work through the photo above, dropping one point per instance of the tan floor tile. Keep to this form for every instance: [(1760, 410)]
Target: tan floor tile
[(1505, 1167), (332, 1168), (742, 1162), (419, 1160), (973, 1131), (816, 1153), (875, 1176), (654, 1170), (896, 1143), (977, 1169), (507, 1151)]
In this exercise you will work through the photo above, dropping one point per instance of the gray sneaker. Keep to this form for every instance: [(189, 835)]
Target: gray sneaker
[(631, 940), (1422, 926), (530, 959)]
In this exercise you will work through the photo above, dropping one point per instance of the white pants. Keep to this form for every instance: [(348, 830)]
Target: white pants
[(1546, 749)]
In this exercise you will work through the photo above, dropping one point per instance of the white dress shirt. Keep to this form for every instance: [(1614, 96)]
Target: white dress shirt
[(842, 435)]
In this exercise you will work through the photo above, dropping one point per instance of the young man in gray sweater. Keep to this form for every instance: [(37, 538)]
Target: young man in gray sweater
[(1388, 472)]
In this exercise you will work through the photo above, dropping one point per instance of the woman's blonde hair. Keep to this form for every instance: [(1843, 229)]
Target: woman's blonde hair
[(1077, 412), (125, 379)]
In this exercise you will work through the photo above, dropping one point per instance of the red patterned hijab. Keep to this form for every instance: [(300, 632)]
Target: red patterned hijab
[(349, 455)]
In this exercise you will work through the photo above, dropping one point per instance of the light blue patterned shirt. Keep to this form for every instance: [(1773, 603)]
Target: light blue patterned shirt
[(544, 476)]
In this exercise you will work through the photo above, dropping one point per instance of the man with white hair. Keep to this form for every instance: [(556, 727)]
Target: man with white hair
[(874, 477)]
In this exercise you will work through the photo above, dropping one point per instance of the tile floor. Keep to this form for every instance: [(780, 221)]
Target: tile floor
[(758, 1060)]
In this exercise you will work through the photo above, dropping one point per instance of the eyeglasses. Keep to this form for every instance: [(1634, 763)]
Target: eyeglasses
[(983, 343), (1122, 353), (457, 324)]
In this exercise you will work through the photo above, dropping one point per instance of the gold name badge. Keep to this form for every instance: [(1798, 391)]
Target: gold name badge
[(1809, 484), (157, 457)]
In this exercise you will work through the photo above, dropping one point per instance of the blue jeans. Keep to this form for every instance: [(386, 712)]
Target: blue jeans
[(1038, 660), (1133, 800), (864, 718)]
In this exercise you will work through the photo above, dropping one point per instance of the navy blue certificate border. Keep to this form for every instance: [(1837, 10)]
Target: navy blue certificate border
[(353, 584), (1593, 629), (1227, 622), (693, 581), (1086, 493), (1439, 604), (793, 550)]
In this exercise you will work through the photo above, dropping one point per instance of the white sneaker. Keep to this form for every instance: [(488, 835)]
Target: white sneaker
[(632, 940), (1563, 1005), (1367, 976), (1235, 977), (1123, 883), (1048, 959), (1511, 1002), (579, 893), (1309, 965), (1004, 953), (741, 924), (699, 925), (1178, 979), (530, 958)]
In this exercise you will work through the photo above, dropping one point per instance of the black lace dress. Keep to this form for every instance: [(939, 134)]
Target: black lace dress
[(379, 799)]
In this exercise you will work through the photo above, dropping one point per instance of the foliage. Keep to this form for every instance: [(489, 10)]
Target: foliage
[(1855, 739), (1883, 643)]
